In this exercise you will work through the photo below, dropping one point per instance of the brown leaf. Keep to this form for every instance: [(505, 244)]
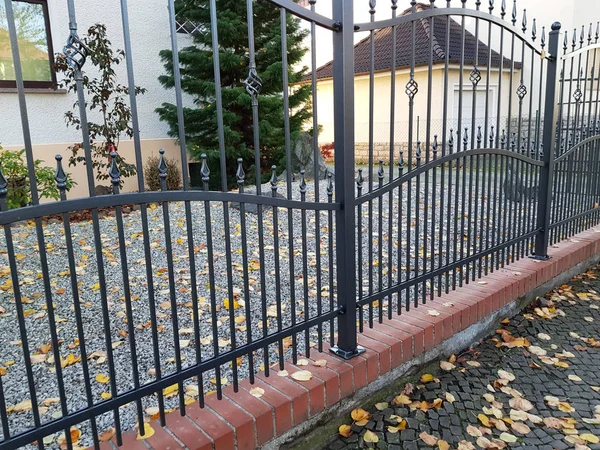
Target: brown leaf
[(521, 404), (428, 438), (520, 428), (443, 445)]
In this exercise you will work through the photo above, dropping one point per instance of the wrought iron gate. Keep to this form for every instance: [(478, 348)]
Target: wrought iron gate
[(272, 276)]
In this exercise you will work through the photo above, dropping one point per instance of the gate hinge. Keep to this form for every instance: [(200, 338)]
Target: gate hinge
[(337, 26), (341, 310)]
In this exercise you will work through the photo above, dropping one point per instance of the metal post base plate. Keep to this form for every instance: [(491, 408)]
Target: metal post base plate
[(540, 258), (345, 354)]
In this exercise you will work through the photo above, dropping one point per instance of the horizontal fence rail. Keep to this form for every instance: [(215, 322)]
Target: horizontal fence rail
[(126, 306)]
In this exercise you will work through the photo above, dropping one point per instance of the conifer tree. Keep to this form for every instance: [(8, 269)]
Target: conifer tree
[(197, 80)]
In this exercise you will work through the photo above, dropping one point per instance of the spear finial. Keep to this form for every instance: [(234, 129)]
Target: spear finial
[(204, 171), (240, 174), (60, 176), (115, 173), (524, 22)]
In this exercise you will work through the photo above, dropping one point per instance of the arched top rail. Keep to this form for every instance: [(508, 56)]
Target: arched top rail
[(307, 14), (581, 50), (443, 160), (444, 12), (137, 198), (577, 147)]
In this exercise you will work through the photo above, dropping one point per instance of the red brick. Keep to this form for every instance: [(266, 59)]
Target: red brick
[(187, 432), (240, 420), (316, 392), (297, 394), (342, 368), (281, 404), (330, 378), (220, 432), (417, 332), (372, 360), (381, 350), (414, 319), (395, 344), (404, 339), (359, 370), (163, 440), (130, 441), (261, 411)]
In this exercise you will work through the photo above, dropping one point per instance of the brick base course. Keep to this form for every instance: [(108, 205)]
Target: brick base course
[(242, 421)]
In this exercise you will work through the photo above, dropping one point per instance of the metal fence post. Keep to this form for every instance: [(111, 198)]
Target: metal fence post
[(345, 225), (549, 146)]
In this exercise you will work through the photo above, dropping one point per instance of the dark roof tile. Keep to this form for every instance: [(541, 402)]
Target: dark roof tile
[(423, 37)]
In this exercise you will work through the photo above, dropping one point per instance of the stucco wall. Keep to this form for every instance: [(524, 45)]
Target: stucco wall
[(150, 147), (382, 104), (149, 22)]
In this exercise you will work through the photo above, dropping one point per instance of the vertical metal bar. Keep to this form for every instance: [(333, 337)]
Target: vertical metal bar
[(330, 189), (427, 156), (188, 208), (380, 175), (205, 172), (38, 223), (223, 166), (547, 172), (316, 151), (241, 176), (288, 159), (304, 262), (371, 157), (257, 159), (96, 225), (115, 177), (391, 161), (277, 269), (343, 90)]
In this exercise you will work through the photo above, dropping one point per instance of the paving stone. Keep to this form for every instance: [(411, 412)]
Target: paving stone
[(468, 384)]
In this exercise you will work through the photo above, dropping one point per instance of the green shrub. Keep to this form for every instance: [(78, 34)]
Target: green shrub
[(15, 171), (152, 176)]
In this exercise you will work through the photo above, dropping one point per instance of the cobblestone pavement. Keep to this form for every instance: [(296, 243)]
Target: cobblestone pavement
[(533, 385)]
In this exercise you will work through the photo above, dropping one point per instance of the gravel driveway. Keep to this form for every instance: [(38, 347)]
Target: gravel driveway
[(247, 311)]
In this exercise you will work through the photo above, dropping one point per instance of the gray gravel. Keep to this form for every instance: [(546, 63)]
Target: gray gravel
[(38, 333)]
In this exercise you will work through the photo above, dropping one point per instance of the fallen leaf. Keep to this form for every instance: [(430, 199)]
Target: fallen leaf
[(360, 416), (484, 419), (148, 432), (447, 366), (574, 378), (257, 392), (302, 375), (302, 362), (520, 428), (282, 373), (101, 378), (401, 399), (544, 336), (443, 445), (507, 437), (381, 406), (345, 431), (504, 375), (426, 378), (521, 404), (320, 363), (428, 438), (433, 312), (369, 436), (588, 437), (450, 398)]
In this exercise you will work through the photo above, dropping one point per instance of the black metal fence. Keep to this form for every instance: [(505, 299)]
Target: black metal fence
[(152, 310)]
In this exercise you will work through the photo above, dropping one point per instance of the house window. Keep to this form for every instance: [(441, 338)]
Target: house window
[(34, 42)]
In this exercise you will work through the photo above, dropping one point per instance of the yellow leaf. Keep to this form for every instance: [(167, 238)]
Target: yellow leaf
[(360, 416), (320, 363), (401, 400), (426, 378), (170, 389), (484, 419), (443, 445), (148, 432), (107, 435), (106, 395), (588, 437), (96, 286), (101, 378), (381, 406), (345, 430), (369, 436), (450, 398)]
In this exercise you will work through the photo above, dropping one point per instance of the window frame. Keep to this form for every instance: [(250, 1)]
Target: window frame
[(52, 84)]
